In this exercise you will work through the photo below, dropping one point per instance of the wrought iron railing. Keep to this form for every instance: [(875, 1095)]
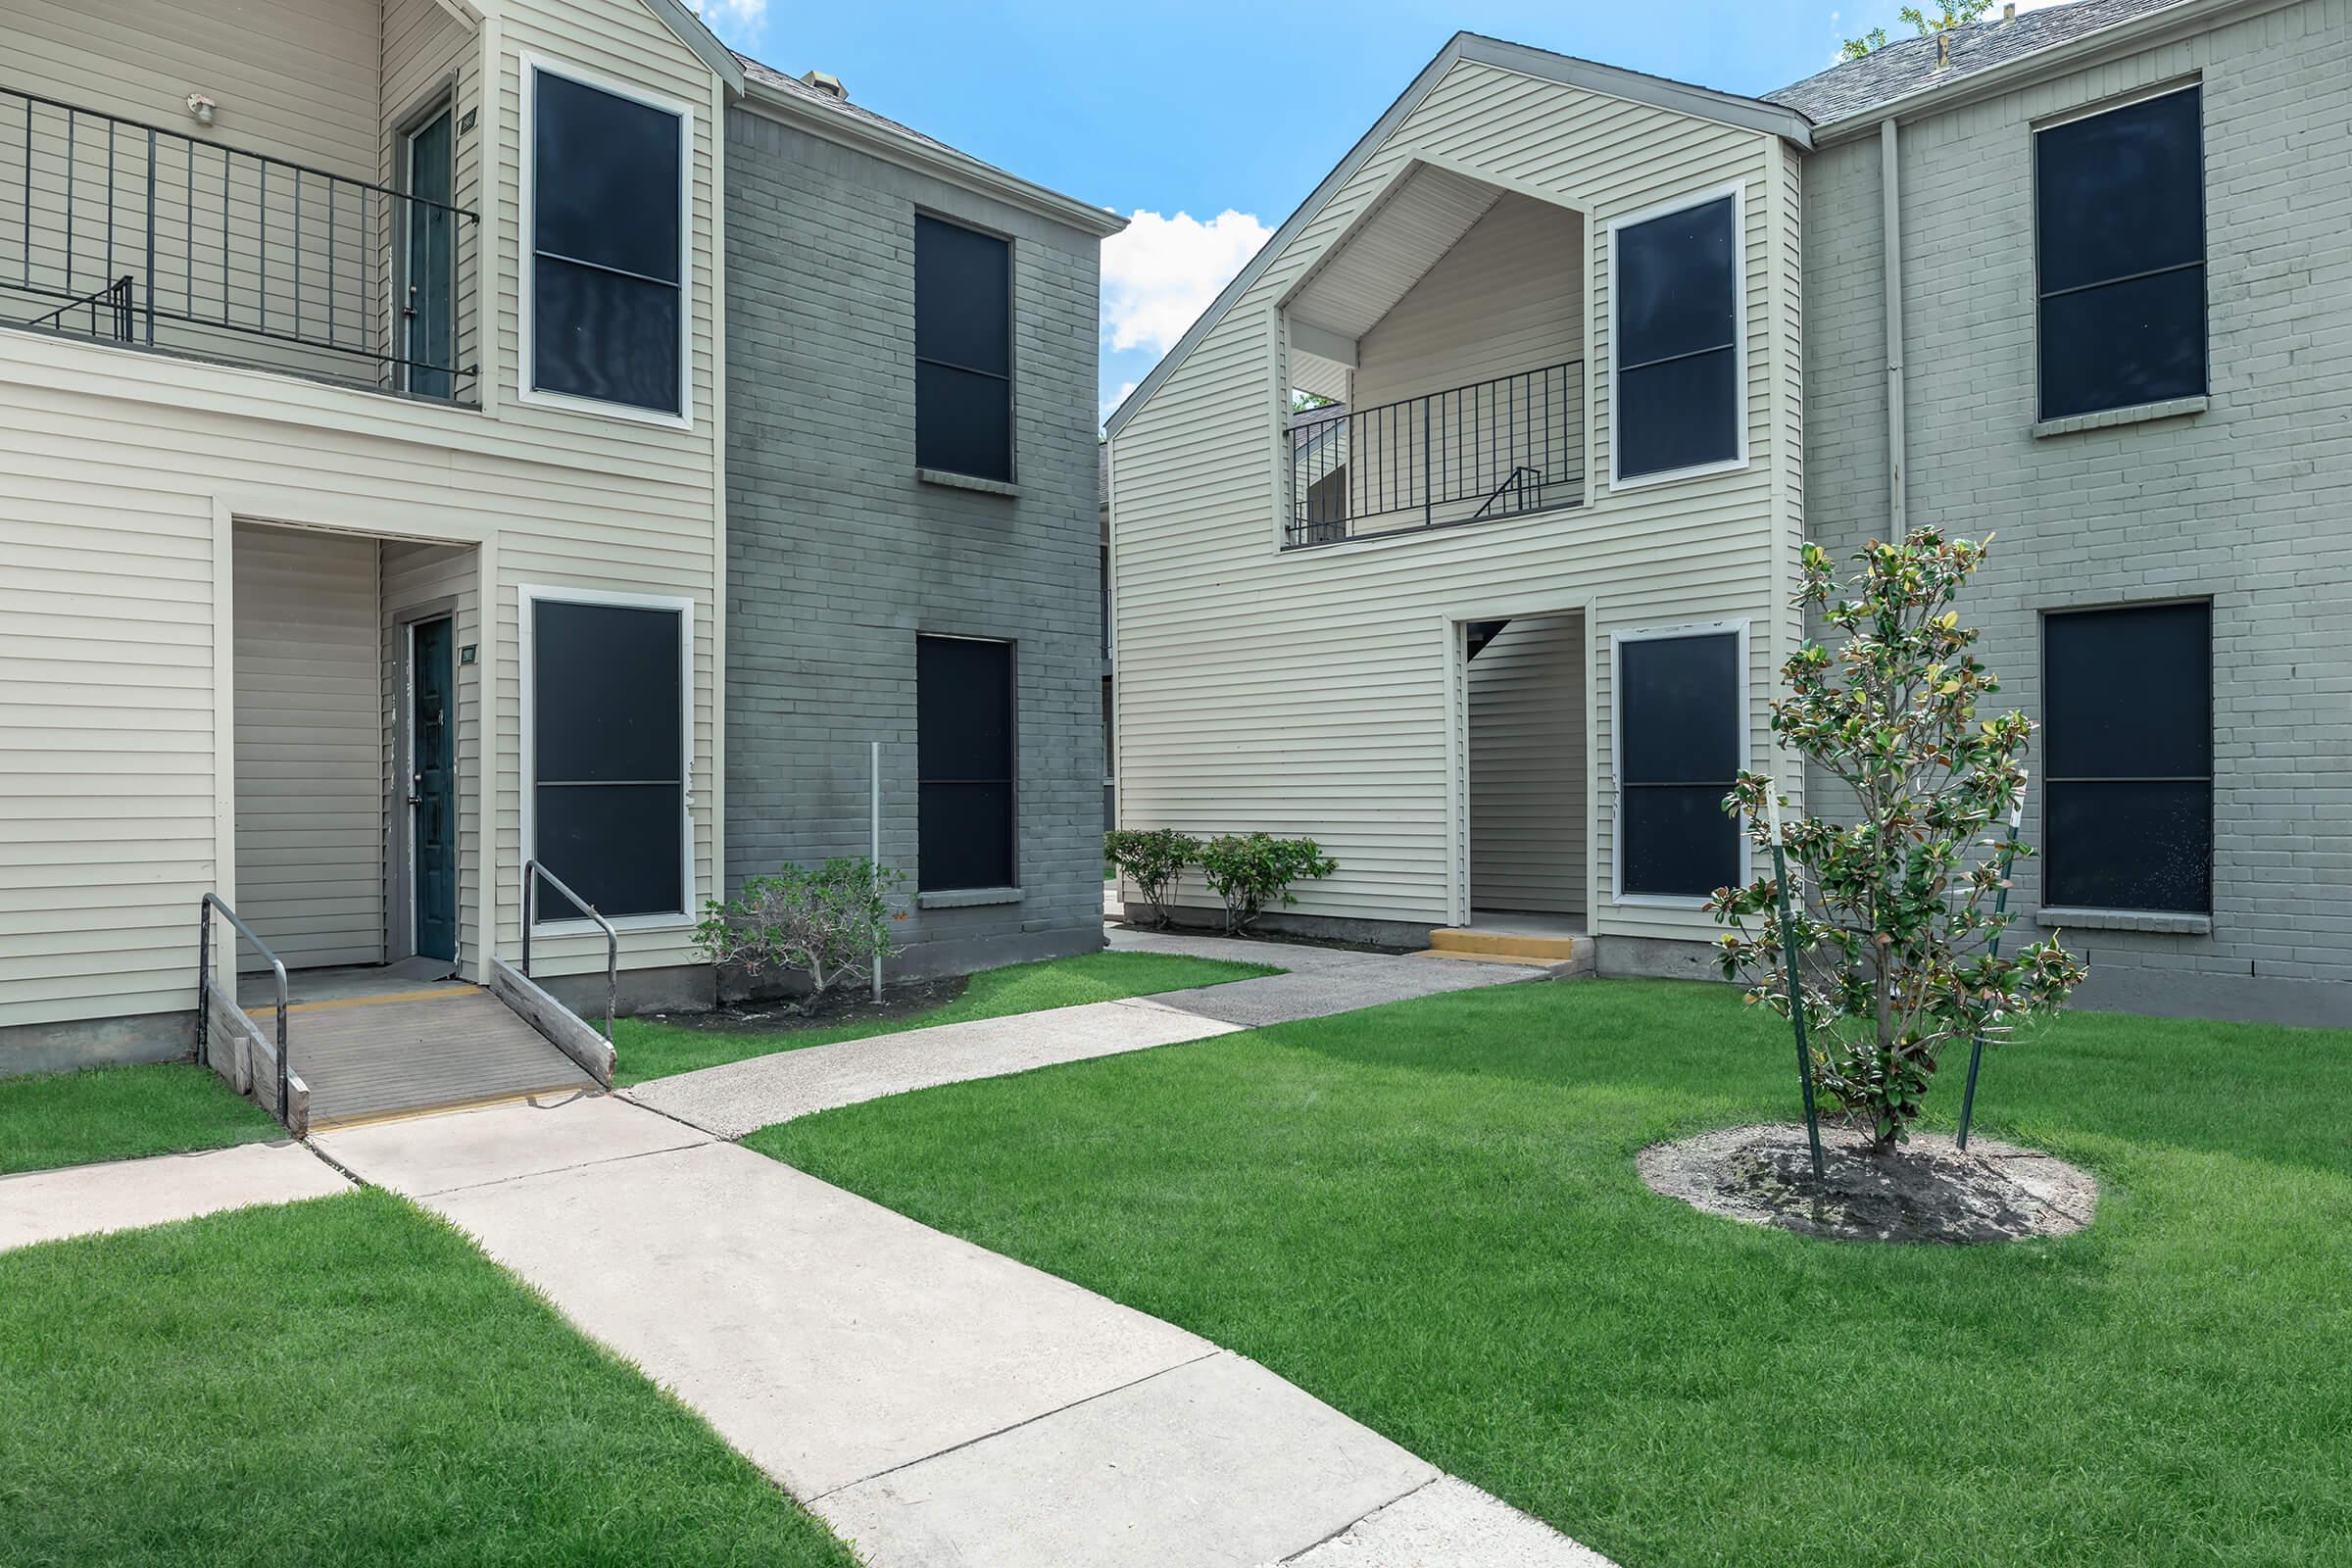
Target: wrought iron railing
[(128, 232), (1498, 448)]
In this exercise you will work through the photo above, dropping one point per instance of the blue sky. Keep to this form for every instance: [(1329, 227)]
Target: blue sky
[(1213, 120)]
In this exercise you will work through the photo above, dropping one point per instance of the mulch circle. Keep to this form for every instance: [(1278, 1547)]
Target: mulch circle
[(1926, 1190)]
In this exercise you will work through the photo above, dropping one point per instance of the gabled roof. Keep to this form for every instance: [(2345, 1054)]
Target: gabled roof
[(695, 35), (1907, 66), (1682, 97), (840, 119)]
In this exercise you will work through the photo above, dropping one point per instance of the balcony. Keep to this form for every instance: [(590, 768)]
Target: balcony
[(1500, 447), (124, 233)]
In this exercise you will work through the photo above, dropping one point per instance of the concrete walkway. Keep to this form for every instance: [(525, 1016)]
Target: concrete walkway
[(47, 1205), (932, 1401), (741, 1096)]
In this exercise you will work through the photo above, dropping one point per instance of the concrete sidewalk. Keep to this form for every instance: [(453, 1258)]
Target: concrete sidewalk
[(47, 1205), (932, 1401), (741, 1096)]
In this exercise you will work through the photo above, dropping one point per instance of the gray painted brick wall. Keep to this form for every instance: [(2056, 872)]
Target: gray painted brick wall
[(838, 555), (2249, 503)]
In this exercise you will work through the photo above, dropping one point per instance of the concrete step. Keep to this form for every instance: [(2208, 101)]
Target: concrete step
[(1556, 947)]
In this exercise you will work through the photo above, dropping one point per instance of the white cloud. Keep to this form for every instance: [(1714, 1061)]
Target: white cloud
[(748, 14), (1110, 403), (1159, 274)]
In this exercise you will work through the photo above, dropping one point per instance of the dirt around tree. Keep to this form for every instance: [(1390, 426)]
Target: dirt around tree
[(1927, 1189)]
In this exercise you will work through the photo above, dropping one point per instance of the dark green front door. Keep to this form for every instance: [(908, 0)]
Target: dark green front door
[(433, 789)]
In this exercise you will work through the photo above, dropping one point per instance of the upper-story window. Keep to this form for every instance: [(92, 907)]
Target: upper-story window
[(1675, 352), (605, 310), (962, 350), (2120, 223)]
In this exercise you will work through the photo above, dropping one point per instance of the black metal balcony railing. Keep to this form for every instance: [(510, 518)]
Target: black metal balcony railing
[(1499, 448), (131, 233)]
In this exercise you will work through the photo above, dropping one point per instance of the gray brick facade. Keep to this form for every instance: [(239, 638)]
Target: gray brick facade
[(839, 555), (2247, 503)]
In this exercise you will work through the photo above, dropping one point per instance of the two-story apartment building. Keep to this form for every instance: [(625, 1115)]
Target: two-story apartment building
[(1612, 347), (361, 510)]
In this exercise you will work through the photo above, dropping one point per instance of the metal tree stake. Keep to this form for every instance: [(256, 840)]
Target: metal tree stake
[(2001, 905), (1796, 984)]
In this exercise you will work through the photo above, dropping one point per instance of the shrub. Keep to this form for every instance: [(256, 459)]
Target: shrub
[(1897, 916), (1154, 857), (829, 923), (1251, 872)]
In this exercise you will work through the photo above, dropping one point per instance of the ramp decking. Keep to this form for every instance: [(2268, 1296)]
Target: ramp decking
[(417, 1050)]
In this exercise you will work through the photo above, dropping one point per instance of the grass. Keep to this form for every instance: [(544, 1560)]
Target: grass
[(77, 1118), (345, 1380), (1427, 1214), (648, 1049)]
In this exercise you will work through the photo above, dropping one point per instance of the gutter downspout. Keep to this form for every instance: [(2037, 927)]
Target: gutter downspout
[(1891, 249)]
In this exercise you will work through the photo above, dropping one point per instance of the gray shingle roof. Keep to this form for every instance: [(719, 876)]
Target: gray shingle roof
[(1907, 66)]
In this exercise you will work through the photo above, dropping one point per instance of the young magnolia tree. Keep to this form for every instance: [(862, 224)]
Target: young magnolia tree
[(1893, 914)]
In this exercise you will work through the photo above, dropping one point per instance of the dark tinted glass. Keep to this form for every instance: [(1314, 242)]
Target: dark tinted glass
[(2120, 192), (963, 297), (2120, 344), (599, 335), (2129, 846), (1677, 414), (963, 422), (1678, 839), (965, 836), (964, 757), (604, 693), (619, 846), (2129, 693), (605, 179), (1678, 704), (1675, 284)]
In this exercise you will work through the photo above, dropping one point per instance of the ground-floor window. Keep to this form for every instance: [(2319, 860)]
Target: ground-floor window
[(2128, 806), (964, 762), (608, 744), (1681, 734)]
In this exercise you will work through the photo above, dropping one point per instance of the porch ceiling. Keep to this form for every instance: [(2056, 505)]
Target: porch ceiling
[(1362, 278)]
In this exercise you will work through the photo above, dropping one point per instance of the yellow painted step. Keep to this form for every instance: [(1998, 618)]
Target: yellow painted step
[(1504, 945)]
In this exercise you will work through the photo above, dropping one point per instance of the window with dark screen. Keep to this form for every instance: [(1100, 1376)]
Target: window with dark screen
[(964, 762), (1680, 736), (1676, 283), (962, 350), (2128, 742), (608, 755), (2119, 225), (608, 315)]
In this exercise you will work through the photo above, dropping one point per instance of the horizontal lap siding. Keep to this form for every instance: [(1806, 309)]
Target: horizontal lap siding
[(1527, 768), (1305, 692)]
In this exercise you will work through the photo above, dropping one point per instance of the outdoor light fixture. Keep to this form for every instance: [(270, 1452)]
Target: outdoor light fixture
[(201, 109)]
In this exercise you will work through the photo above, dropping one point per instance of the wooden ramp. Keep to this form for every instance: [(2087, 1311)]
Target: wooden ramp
[(422, 1049)]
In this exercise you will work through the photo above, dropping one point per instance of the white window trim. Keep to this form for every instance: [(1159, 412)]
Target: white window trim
[(528, 595), (528, 234), (1737, 192), (1745, 758)]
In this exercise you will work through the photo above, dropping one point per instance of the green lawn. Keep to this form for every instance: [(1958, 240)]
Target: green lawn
[(346, 1381), (77, 1118), (649, 1049), (1427, 1214)]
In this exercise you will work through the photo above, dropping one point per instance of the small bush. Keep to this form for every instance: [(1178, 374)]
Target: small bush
[(1155, 856), (829, 923), (1251, 872)]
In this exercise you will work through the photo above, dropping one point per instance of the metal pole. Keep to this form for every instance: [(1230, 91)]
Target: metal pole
[(874, 856), (2000, 906), (204, 981), (1797, 985)]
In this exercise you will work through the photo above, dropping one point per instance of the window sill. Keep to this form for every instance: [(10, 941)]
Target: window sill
[(2138, 414), (967, 898), (968, 481), (2161, 922)]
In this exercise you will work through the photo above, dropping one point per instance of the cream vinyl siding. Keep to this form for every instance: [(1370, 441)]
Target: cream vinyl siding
[(117, 491), (1508, 298), (309, 743), (1309, 691), (1527, 768), (416, 575)]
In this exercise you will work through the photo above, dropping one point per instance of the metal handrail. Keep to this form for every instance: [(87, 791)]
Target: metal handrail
[(1516, 484), (204, 989), (120, 299), (532, 872)]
